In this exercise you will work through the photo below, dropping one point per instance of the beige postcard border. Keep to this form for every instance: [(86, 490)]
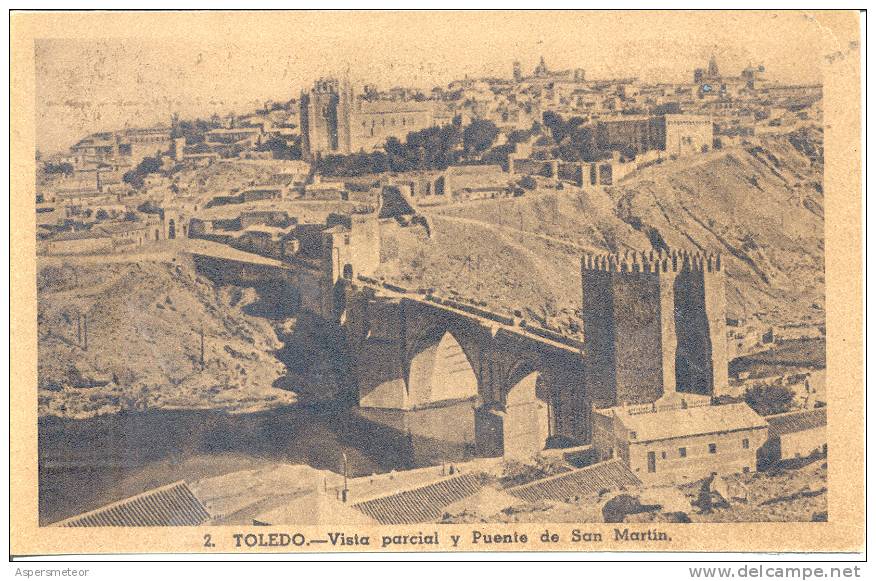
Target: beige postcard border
[(844, 306)]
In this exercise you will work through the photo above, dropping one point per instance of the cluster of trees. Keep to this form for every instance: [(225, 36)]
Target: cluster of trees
[(149, 207), (147, 166), (572, 140), (430, 148), (58, 168), (194, 131), (770, 399), (281, 149)]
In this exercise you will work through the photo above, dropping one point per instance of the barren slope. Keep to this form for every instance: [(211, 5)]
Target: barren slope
[(760, 205), (144, 323)]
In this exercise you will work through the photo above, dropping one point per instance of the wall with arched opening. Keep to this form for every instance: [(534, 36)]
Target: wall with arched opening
[(440, 371), (526, 422)]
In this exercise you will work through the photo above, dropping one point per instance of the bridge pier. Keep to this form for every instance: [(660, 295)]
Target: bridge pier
[(412, 355)]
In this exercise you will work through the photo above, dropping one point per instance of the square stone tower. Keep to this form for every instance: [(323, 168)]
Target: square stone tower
[(326, 112), (654, 324)]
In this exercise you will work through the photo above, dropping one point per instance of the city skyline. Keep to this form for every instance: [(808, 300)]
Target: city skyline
[(141, 82)]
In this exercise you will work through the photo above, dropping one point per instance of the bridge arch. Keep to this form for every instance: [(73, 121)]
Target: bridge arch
[(439, 370)]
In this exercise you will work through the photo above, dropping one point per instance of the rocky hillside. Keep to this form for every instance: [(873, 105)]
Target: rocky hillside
[(760, 204), (144, 324)]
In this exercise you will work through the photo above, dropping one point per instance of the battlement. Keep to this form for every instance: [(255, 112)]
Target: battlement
[(326, 85), (652, 262)]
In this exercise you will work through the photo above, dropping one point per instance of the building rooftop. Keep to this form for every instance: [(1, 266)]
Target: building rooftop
[(687, 117), (649, 426), (385, 106), (422, 504), (159, 129), (119, 227), (609, 475), (798, 421), (171, 505), (623, 118), (234, 130), (63, 236)]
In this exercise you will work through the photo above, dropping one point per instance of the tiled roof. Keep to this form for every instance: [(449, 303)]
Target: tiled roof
[(171, 505), (796, 421), (610, 475), (420, 504), (677, 423)]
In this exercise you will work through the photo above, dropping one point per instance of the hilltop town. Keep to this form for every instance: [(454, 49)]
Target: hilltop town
[(536, 289)]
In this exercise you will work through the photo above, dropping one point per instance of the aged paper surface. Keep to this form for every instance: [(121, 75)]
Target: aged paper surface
[(436, 281)]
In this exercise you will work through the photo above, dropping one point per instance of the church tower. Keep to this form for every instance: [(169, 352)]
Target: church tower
[(713, 68)]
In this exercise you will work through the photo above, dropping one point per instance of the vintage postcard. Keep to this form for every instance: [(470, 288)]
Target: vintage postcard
[(343, 281)]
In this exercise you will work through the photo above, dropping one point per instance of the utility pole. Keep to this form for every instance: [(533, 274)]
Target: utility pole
[(78, 328), (345, 491), (520, 217), (202, 347), (85, 329)]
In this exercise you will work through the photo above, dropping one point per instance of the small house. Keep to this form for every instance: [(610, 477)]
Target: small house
[(680, 442)]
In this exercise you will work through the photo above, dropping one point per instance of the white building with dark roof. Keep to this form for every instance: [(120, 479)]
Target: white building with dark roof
[(681, 440), (797, 434)]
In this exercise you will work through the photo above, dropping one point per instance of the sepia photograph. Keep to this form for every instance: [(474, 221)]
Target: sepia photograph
[(424, 281)]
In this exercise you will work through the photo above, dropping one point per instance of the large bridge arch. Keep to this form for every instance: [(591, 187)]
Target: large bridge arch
[(439, 369)]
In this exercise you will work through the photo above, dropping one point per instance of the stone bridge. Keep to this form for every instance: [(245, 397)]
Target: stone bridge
[(410, 353), (654, 322), (416, 352)]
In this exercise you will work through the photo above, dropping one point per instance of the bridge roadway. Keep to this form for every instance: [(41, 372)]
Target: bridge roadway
[(489, 319)]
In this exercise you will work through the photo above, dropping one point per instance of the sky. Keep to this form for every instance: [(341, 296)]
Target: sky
[(198, 64)]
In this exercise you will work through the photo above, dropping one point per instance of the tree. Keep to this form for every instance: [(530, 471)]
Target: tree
[(519, 136), (498, 155), (528, 182), (148, 207), (479, 136), (559, 129), (193, 131), (58, 168), (281, 149), (769, 399), (136, 176), (431, 148), (628, 153), (101, 214)]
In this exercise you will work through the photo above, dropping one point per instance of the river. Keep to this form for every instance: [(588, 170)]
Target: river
[(85, 464)]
